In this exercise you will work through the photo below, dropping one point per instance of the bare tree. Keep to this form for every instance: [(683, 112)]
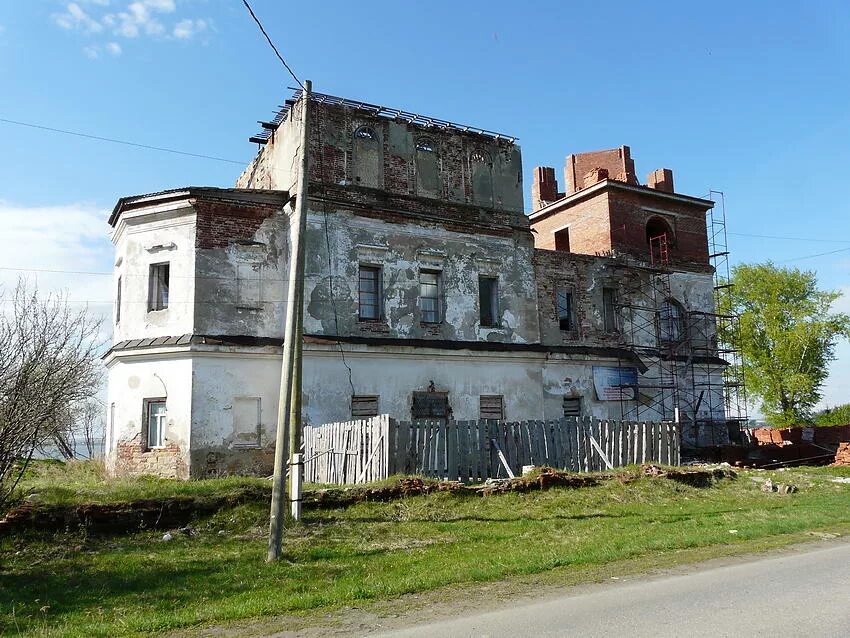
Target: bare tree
[(48, 369), (78, 431)]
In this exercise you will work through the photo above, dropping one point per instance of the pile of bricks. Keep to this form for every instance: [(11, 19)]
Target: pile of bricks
[(842, 457)]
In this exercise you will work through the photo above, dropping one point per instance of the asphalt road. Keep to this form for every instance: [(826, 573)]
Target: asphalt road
[(799, 594)]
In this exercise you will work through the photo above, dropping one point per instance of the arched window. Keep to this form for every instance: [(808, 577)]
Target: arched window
[(479, 157), (657, 227), (671, 327), (427, 165), (659, 237), (365, 133), (426, 145), (481, 170)]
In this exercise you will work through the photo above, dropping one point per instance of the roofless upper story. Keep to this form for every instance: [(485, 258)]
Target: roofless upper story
[(358, 150), (606, 211)]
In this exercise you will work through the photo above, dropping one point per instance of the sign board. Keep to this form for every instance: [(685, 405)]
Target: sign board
[(615, 384)]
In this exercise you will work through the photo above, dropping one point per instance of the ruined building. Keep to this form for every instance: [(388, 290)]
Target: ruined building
[(428, 293)]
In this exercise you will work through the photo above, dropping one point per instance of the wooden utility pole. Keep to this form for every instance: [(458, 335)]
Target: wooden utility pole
[(291, 364)]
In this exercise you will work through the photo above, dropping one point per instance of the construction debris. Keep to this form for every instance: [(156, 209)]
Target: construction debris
[(842, 457)]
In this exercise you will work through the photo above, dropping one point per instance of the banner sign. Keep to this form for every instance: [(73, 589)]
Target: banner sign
[(615, 384)]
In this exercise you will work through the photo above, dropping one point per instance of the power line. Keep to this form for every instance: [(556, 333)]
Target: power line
[(271, 44), (99, 138), (831, 252), (827, 241)]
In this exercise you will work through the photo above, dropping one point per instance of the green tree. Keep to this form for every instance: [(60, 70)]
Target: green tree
[(787, 336), (839, 415)]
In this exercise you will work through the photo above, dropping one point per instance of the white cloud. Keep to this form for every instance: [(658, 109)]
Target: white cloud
[(187, 29), (128, 19), (75, 18)]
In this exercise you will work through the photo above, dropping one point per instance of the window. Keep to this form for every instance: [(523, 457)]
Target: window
[(158, 287), (118, 302), (369, 293), (364, 406), (572, 407), (488, 299), (671, 320), (492, 406), (365, 133), (429, 296), (562, 240), (564, 304), (426, 145), (609, 309), (155, 419), (431, 405)]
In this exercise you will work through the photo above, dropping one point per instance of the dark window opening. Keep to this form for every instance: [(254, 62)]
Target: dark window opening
[(609, 309), (488, 299), (562, 240), (369, 293), (659, 238), (431, 405), (572, 407), (429, 296), (158, 287), (564, 303)]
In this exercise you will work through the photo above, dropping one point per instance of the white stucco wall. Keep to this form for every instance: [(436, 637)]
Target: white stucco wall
[(164, 233)]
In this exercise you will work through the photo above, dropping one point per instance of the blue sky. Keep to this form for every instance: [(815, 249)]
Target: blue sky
[(748, 98)]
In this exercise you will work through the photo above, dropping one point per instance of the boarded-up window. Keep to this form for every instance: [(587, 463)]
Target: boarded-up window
[(364, 406), (492, 406), (430, 405), (248, 284), (562, 240), (481, 167), (368, 158), (427, 169), (572, 407), (246, 421)]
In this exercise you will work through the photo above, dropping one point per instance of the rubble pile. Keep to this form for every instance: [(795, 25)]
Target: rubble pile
[(842, 457)]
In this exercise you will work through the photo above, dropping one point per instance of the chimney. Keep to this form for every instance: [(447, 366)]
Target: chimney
[(544, 188), (616, 162), (661, 179)]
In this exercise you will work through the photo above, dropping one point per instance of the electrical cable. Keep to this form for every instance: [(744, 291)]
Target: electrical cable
[(99, 138), (271, 44)]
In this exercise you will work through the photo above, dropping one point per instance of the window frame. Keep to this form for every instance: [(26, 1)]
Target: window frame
[(148, 403), (118, 301), (438, 298), (570, 316), (379, 292), (156, 300), (679, 324), (610, 320), (492, 302), (559, 237)]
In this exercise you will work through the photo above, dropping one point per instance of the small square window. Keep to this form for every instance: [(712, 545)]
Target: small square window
[(429, 296), (564, 305), (492, 406), (572, 407), (158, 287), (155, 420), (370, 293), (364, 406), (488, 299)]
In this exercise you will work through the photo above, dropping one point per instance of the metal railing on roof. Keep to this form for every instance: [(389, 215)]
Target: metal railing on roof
[(375, 110)]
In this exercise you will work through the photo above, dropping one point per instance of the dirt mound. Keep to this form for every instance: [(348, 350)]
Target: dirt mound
[(695, 478)]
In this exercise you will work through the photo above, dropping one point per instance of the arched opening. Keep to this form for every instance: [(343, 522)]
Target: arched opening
[(671, 328), (368, 158), (427, 165), (659, 238)]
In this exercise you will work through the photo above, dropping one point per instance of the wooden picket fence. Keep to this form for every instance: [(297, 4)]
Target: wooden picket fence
[(471, 451)]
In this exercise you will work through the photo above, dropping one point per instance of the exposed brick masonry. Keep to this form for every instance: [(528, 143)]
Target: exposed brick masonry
[(219, 223)]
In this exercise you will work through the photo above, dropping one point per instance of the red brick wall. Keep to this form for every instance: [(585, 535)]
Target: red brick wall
[(135, 460), (617, 161), (544, 188), (589, 223), (219, 223)]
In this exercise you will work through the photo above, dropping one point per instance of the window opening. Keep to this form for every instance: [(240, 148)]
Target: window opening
[(429, 296), (488, 299), (369, 293), (564, 302), (158, 287)]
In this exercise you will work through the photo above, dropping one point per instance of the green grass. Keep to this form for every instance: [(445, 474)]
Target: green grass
[(71, 585)]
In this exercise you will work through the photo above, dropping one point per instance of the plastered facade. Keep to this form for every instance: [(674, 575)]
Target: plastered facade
[(383, 194)]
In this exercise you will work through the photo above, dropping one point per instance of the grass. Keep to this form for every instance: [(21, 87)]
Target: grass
[(72, 585)]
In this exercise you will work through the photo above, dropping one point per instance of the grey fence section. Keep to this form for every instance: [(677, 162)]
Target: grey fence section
[(470, 451)]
